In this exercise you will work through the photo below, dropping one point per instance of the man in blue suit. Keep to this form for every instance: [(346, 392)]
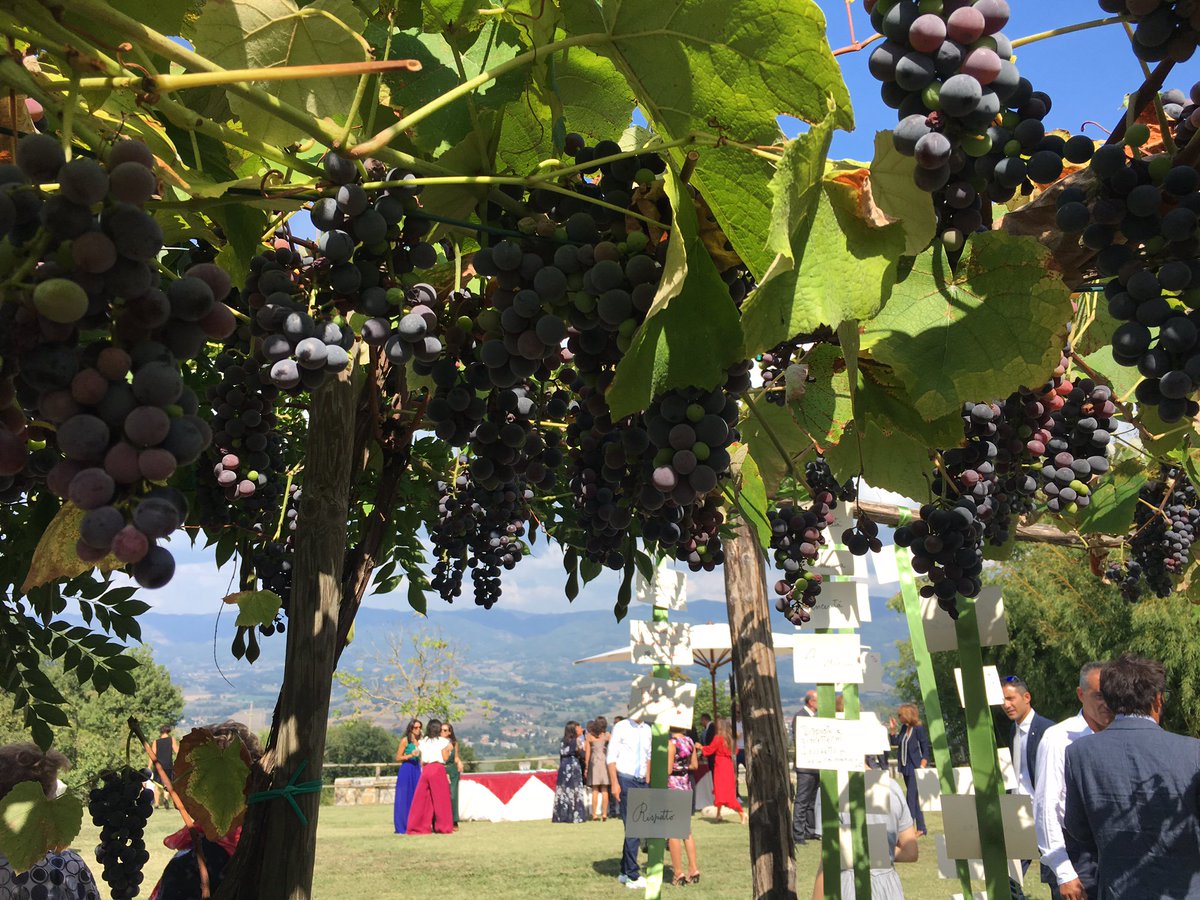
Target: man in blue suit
[(1028, 726), (1132, 817)]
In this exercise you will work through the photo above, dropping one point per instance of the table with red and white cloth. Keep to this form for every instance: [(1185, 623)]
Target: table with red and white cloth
[(507, 796)]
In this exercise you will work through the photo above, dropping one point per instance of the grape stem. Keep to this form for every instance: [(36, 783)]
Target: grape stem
[(1065, 29), (857, 45)]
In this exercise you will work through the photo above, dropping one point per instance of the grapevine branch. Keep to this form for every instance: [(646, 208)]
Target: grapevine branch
[(1065, 29), (1142, 98)]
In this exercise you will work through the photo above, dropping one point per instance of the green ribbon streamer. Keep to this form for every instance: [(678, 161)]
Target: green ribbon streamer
[(831, 851), (934, 722), (858, 806), (982, 743), (290, 792), (659, 735)]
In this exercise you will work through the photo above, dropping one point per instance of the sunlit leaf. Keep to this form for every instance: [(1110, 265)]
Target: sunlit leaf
[(55, 558), (31, 825), (211, 779)]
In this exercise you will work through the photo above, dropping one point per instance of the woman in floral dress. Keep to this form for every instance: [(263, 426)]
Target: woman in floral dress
[(682, 760), (570, 796)]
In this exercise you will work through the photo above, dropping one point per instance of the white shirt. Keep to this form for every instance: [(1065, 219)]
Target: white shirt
[(431, 749), (629, 748), (1024, 776), (1050, 799)]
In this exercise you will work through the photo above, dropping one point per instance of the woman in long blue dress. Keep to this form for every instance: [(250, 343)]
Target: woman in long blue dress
[(409, 758)]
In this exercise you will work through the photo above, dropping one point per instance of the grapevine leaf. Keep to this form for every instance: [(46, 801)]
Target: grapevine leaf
[(771, 422), (1161, 438), (594, 98), (894, 191), (212, 781), (732, 67), (416, 596), (842, 267), (473, 156), (32, 825), (55, 558), (888, 441), (166, 18), (452, 123), (1112, 504), (251, 34), (998, 323), (1122, 379), (691, 310), (751, 495), (255, 607), (795, 188)]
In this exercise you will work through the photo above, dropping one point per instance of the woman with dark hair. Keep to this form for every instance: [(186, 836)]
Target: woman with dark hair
[(431, 810), (409, 758), (724, 773), (682, 760), (912, 753), (570, 797), (454, 768), (596, 765), (59, 875)]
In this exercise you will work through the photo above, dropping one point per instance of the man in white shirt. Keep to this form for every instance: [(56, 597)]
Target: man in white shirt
[(628, 767), (1050, 797)]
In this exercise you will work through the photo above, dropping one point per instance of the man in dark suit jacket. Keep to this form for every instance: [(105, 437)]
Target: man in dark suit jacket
[(804, 816), (1028, 726), (1132, 817)]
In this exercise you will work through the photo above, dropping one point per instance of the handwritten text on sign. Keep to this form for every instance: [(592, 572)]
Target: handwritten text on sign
[(657, 813), (829, 744)]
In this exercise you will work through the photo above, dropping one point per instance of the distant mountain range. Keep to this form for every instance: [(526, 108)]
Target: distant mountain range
[(522, 663)]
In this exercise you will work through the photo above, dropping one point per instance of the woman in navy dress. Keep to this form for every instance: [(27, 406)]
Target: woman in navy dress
[(409, 758), (570, 795), (912, 753)]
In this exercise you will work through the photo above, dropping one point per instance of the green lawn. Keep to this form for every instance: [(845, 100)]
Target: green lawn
[(359, 858)]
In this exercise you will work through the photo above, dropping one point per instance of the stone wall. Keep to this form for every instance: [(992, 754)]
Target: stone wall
[(364, 791)]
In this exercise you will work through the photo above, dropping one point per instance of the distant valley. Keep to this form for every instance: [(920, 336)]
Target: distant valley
[(521, 663)]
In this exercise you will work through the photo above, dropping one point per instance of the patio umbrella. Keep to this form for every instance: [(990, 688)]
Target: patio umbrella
[(711, 648)]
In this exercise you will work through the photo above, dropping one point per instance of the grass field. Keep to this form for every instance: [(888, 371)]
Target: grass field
[(359, 858)]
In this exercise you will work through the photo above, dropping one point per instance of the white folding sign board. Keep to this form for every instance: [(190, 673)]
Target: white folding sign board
[(886, 571), (989, 611), (872, 666), (827, 658), (660, 643), (668, 703), (929, 790), (829, 744), (947, 869), (991, 685), (841, 604), (658, 813), (667, 590), (962, 827), (875, 734)]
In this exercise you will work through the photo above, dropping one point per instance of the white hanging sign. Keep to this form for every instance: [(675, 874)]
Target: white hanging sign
[(660, 643)]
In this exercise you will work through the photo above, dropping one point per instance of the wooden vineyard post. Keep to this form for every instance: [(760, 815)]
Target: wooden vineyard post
[(274, 859), (934, 722), (773, 868)]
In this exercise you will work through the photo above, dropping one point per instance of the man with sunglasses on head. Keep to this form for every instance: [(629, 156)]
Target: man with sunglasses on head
[(1049, 799), (1132, 819), (1027, 729)]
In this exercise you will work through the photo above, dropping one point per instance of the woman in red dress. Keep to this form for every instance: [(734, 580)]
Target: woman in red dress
[(724, 774)]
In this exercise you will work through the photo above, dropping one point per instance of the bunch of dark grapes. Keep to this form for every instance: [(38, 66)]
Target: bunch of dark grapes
[(797, 534), (946, 546), (1165, 523), (1078, 445), (94, 346), (1141, 219), (972, 123), (773, 366), (1183, 112), (863, 537), (120, 806), (1163, 29)]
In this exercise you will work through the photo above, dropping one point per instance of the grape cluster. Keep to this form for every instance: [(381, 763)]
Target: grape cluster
[(1077, 449), (1141, 219), (95, 346), (946, 546), (972, 123), (120, 805), (1165, 524), (1183, 111), (247, 448), (796, 538), (863, 537), (773, 367), (1163, 29)]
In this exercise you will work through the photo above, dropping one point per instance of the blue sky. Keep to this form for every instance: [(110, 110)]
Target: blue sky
[(1087, 74)]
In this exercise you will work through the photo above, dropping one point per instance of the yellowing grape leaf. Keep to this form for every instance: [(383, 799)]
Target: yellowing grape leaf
[(55, 558), (251, 34), (751, 494), (32, 825), (255, 607), (893, 189), (211, 779), (997, 323)]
